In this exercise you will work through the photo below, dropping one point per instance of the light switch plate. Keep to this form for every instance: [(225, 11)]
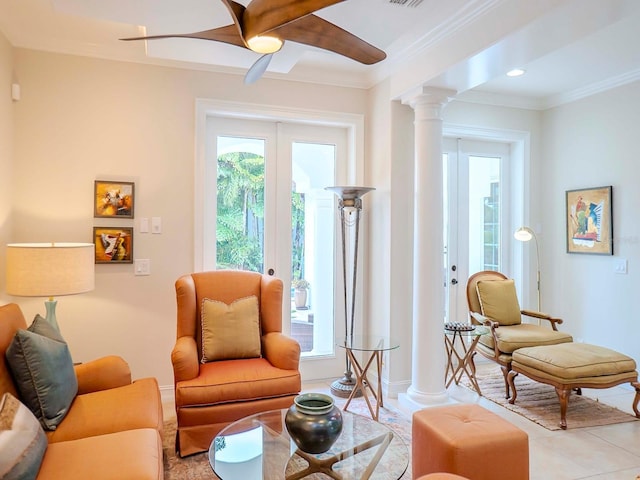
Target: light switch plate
[(156, 225), (620, 265), (142, 266), (144, 225)]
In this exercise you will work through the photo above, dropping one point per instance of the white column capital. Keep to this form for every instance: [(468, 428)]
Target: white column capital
[(428, 99)]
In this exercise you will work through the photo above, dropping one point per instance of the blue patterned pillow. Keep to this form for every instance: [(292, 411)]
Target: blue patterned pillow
[(42, 368), (22, 441)]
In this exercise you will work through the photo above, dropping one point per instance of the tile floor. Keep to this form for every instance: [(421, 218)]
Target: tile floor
[(609, 452)]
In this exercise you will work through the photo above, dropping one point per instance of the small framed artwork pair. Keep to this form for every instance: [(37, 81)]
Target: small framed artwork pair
[(113, 199), (589, 220)]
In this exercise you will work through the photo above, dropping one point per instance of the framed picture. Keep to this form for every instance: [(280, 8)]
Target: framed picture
[(590, 221), (113, 244), (113, 199)]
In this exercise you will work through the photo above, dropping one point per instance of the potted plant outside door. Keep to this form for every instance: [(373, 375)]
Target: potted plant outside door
[(300, 293)]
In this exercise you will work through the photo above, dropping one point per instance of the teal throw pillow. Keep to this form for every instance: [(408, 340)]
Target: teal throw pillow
[(22, 441), (42, 368)]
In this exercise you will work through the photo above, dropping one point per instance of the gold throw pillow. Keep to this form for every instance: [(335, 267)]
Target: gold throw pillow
[(499, 301), (230, 331)]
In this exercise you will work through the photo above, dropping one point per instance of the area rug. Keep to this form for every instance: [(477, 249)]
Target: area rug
[(539, 403), (196, 467)]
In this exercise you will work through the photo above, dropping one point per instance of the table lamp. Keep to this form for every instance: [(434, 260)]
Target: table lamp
[(50, 270)]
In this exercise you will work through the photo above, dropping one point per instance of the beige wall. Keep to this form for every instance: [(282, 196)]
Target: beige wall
[(6, 151), (82, 119)]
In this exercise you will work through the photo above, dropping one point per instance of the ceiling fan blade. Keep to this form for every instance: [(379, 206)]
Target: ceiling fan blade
[(317, 32), (263, 16), (257, 69), (228, 34), (237, 12)]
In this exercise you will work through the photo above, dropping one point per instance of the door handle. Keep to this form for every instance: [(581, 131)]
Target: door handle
[(454, 281)]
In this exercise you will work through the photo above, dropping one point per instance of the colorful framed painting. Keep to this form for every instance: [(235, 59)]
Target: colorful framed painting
[(113, 244), (113, 199), (590, 221)]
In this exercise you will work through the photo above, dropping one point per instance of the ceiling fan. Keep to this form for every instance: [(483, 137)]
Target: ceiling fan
[(264, 25)]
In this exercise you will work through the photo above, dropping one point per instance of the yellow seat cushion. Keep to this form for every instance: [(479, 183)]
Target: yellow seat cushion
[(572, 361), (499, 301), (513, 337)]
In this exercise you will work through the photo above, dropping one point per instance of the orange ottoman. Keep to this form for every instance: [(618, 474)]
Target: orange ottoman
[(468, 440), (442, 476)]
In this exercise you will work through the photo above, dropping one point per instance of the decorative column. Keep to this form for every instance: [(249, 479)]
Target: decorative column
[(428, 355)]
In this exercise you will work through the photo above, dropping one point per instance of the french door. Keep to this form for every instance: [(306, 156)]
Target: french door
[(476, 176), (268, 211)]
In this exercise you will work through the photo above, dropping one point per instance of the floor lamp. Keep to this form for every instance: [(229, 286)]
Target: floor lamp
[(50, 270), (349, 205), (525, 234)]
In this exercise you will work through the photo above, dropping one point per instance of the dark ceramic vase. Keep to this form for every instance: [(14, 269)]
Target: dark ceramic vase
[(313, 422)]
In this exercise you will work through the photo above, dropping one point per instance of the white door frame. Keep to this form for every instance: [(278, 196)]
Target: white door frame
[(519, 259), (205, 152)]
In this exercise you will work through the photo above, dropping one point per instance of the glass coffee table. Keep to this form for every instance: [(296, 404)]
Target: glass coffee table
[(259, 447)]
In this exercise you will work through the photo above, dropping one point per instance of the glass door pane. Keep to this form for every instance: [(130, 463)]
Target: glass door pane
[(312, 257), (484, 214), (474, 216), (240, 203)]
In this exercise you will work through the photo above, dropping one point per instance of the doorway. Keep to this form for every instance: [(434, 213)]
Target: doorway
[(266, 210), (476, 213)]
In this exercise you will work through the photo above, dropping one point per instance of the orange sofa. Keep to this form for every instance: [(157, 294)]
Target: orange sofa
[(113, 428)]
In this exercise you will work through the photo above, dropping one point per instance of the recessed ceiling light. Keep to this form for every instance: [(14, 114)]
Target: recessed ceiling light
[(516, 72)]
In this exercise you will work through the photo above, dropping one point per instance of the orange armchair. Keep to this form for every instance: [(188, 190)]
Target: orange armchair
[(211, 395)]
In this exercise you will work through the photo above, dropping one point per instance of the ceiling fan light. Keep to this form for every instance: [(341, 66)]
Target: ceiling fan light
[(264, 44)]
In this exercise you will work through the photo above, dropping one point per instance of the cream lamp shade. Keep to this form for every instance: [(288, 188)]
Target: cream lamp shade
[(50, 270), (526, 234)]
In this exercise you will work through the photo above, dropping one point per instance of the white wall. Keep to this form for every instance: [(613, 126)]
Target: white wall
[(590, 143), (6, 151), (390, 150), (82, 119)]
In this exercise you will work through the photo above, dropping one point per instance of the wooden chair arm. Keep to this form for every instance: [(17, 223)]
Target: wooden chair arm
[(543, 316), (488, 322)]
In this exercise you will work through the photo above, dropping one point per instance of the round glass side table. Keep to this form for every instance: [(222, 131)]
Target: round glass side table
[(460, 343), (375, 346)]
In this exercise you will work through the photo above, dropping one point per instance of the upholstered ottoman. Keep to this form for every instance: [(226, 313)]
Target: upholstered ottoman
[(442, 476), (570, 366), (470, 441)]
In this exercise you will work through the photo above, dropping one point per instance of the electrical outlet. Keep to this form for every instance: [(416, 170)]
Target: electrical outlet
[(156, 225)]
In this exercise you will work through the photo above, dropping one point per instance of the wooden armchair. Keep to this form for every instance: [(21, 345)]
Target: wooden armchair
[(492, 301), (230, 359)]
